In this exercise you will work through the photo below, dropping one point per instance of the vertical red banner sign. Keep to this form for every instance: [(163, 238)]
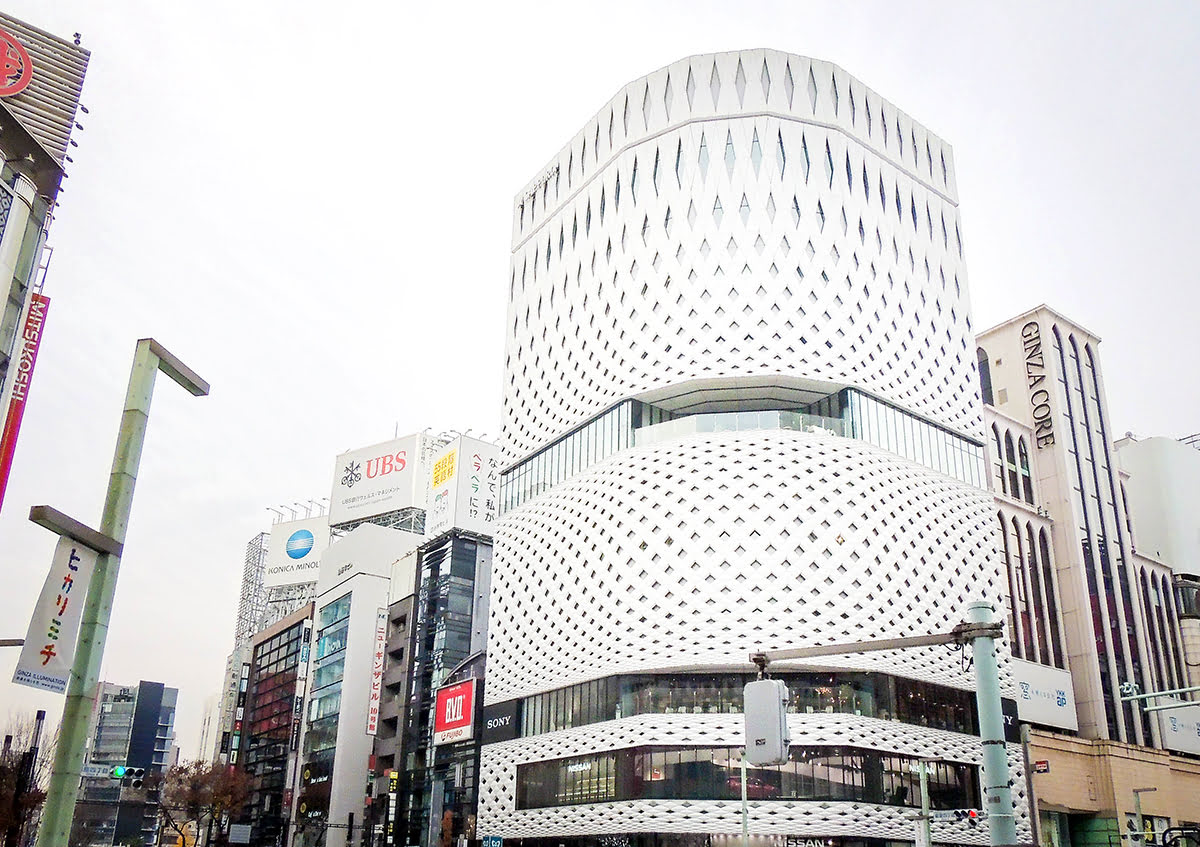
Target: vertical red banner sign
[(24, 361)]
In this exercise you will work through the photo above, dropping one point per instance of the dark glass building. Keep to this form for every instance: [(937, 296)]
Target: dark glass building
[(270, 725)]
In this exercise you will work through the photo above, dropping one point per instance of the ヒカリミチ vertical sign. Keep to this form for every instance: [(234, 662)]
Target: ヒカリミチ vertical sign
[(49, 649)]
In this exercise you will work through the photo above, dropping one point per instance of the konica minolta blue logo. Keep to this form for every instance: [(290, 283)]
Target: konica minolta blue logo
[(299, 543)]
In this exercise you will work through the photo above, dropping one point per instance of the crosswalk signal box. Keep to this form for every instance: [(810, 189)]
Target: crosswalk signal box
[(765, 706)]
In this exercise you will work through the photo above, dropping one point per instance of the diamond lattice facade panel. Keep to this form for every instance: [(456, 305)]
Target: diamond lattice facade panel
[(739, 311), (741, 214), (703, 550), (499, 763)]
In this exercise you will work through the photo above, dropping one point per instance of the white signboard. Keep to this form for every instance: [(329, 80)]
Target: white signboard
[(376, 480), (377, 661), (369, 549), (464, 488), (49, 648), (295, 552), (1044, 695), (1180, 727)]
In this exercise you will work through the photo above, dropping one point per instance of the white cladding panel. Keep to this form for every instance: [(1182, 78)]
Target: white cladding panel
[(498, 770), (785, 230), (699, 551)]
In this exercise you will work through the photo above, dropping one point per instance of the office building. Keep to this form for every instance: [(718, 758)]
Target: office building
[(40, 84), (132, 726), (1101, 556), (741, 413), (269, 731)]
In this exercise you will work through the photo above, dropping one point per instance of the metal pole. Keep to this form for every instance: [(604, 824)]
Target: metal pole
[(1002, 825), (926, 839), (745, 809), (149, 357), (1035, 819), (1140, 835)]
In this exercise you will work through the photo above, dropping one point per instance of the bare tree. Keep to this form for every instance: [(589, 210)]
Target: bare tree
[(25, 764), (195, 791)]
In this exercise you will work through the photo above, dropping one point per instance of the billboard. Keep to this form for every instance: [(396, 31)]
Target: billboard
[(378, 479), (377, 661), (454, 714), (1044, 695), (464, 487), (1180, 727), (295, 552)]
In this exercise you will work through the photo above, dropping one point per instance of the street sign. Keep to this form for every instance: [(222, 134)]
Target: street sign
[(493, 841), (95, 771), (1041, 766)]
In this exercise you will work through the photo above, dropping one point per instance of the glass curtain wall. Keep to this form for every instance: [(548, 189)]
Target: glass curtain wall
[(867, 694), (848, 413), (846, 774)]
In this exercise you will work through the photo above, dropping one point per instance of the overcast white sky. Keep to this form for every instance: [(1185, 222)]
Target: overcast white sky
[(309, 203)]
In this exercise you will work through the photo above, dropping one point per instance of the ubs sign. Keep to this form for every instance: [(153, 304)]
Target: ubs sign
[(1035, 378)]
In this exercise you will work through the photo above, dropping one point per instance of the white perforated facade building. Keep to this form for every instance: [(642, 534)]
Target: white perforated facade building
[(741, 412)]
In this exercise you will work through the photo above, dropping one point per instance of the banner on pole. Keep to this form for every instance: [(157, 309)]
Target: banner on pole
[(49, 649)]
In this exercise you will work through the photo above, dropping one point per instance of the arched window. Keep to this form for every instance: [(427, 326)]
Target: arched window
[(1051, 600), (1152, 621), (1026, 479), (985, 376), (1037, 606), (998, 459), (1168, 603), (1025, 601), (1010, 457), (1014, 637)]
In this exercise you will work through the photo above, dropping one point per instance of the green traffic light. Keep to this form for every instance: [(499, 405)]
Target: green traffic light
[(118, 771)]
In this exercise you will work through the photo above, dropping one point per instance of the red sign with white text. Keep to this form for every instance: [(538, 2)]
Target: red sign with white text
[(23, 361), (16, 68), (454, 718)]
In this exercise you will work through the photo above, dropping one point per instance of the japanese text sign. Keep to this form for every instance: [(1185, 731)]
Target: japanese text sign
[(49, 649)]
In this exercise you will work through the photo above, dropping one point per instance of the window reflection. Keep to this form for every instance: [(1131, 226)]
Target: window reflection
[(866, 694), (714, 773), (849, 413)]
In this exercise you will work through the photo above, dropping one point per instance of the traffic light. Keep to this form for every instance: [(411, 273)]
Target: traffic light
[(130, 777), (971, 816)]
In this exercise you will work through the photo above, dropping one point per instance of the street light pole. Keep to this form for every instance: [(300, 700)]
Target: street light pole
[(1137, 812), (149, 358)]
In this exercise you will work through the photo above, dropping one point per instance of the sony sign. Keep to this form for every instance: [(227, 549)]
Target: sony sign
[(501, 721), (1035, 378)]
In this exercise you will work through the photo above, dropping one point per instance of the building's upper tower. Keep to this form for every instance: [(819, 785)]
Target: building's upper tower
[(751, 218)]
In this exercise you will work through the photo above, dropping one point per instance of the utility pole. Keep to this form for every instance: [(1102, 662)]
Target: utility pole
[(981, 632), (149, 358)]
